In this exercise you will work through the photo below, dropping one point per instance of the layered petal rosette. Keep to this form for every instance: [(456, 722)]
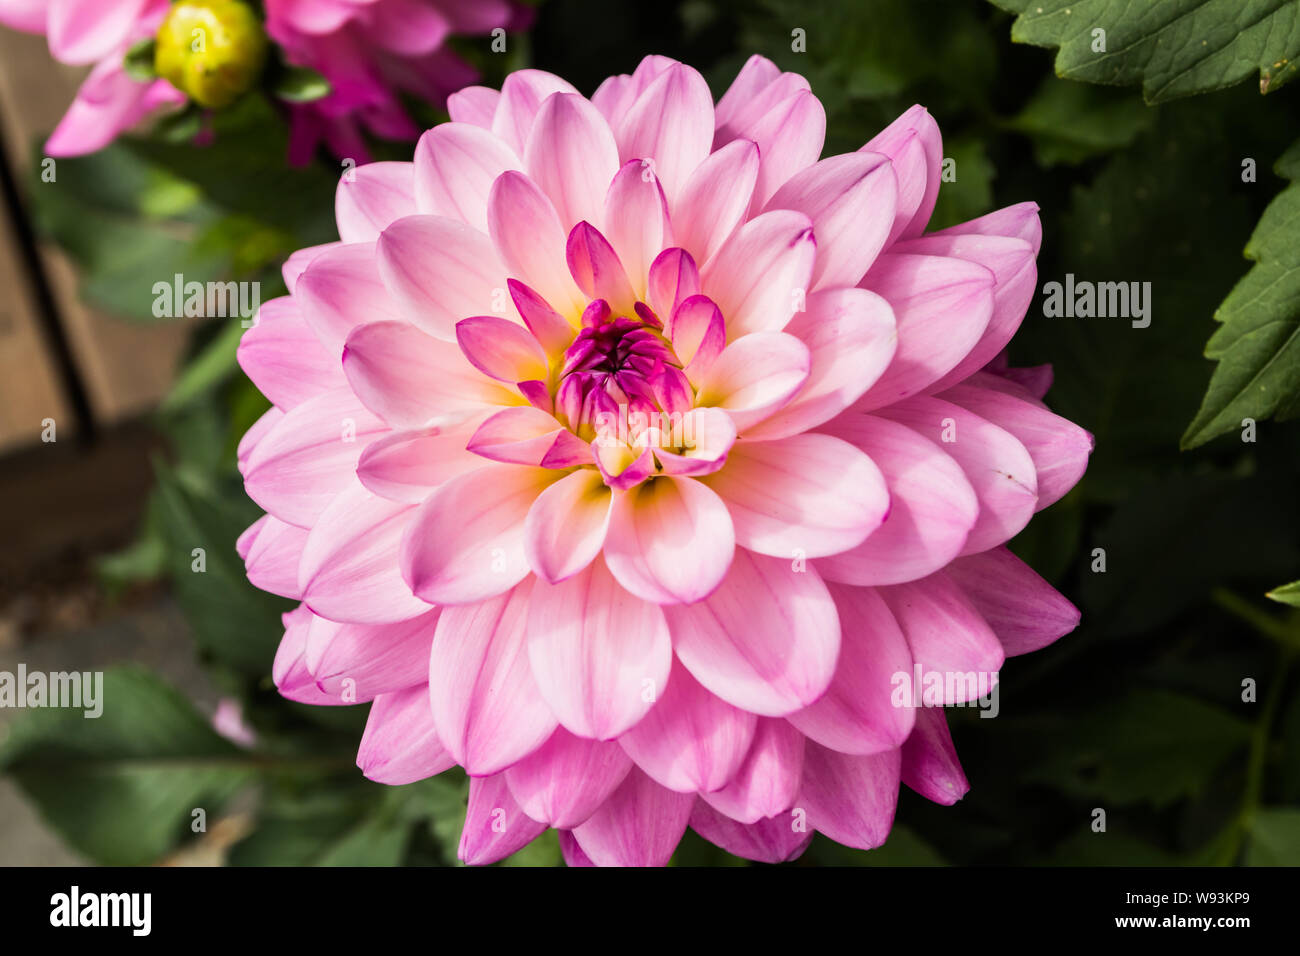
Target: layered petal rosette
[(625, 453), (371, 51)]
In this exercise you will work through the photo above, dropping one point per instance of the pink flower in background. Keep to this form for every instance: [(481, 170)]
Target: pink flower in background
[(624, 454), (371, 51), (96, 33)]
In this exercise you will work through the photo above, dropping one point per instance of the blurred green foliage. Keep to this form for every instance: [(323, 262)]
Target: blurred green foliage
[(1173, 707)]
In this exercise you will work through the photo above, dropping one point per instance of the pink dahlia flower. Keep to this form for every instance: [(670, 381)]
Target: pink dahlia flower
[(98, 32), (627, 455), (371, 51)]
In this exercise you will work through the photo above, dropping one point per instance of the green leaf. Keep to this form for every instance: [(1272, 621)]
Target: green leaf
[(1286, 594), (1258, 347), (232, 621), (300, 84), (1073, 122), (543, 851), (121, 788), (1172, 48), (1275, 837), (208, 369), (138, 62), (1152, 747)]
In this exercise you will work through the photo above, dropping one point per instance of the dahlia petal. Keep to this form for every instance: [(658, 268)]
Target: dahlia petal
[(711, 434), (698, 333), (915, 145), (400, 744), (466, 541), (340, 289), (670, 540), (563, 782), (636, 221), (1034, 381), (522, 435), (775, 840), (284, 358), (766, 640), (455, 167), (367, 202), (440, 271), (932, 505), (639, 825), (851, 337), (566, 525), (552, 331), (850, 799), (375, 658), (807, 495), (850, 200), (621, 465), (271, 559), (947, 637), (411, 380), (107, 103), (475, 105), (767, 781), (569, 848), (309, 455), (997, 466), (572, 156), (530, 239), (289, 670), (942, 307), (1019, 221), (1015, 275), (1024, 611), (714, 200), (673, 279), (253, 437), (930, 765), (405, 466), (495, 826), (85, 32), (29, 16), (522, 95), (501, 349), (347, 571), (690, 740), (670, 123), (760, 276), (1058, 447), (486, 705), (297, 263), (755, 76), (594, 649), (595, 266), (790, 137), (754, 377), (857, 714)]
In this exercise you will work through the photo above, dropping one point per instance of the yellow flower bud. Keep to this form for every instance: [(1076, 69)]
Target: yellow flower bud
[(212, 50)]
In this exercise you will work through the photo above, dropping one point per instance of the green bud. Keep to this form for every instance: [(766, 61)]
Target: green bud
[(211, 50)]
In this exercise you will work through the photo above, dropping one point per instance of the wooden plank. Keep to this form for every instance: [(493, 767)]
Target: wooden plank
[(30, 387), (124, 367)]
